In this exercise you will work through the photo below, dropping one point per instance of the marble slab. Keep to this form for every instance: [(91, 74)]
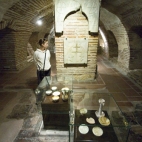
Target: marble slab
[(75, 50)]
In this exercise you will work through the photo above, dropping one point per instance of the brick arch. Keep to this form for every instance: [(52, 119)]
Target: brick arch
[(113, 23)]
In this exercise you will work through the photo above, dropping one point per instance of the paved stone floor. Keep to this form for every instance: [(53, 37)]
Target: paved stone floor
[(20, 120)]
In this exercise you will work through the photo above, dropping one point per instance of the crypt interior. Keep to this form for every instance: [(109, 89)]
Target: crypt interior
[(109, 33)]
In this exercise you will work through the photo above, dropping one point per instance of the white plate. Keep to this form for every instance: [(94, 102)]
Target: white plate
[(48, 92), (54, 88), (83, 129), (56, 93), (97, 131), (90, 120)]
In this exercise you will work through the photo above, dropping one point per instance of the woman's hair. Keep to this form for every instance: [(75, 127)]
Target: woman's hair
[(41, 41)]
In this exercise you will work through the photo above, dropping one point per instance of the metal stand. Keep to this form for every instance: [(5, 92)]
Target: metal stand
[(100, 113)]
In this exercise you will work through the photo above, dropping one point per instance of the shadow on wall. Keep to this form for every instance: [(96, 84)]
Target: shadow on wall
[(112, 44)]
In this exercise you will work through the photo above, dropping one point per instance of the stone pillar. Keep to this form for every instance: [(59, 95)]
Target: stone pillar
[(72, 24), (76, 22)]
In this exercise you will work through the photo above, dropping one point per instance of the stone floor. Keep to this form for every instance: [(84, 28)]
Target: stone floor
[(19, 118)]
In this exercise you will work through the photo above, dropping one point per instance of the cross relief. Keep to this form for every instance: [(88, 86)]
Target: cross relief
[(75, 51)]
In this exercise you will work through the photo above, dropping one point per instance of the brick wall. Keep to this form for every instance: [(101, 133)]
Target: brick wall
[(76, 22), (13, 51), (7, 55)]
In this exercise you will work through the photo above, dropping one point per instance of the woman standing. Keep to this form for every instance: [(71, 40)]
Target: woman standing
[(42, 60)]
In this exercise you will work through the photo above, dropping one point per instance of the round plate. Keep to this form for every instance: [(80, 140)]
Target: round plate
[(56, 93), (104, 121), (48, 92), (90, 120), (97, 131), (83, 129)]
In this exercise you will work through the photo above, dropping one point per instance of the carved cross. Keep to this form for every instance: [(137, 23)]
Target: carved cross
[(77, 47), (77, 51)]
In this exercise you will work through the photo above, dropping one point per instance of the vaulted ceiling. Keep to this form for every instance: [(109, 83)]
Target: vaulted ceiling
[(22, 14), (129, 11)]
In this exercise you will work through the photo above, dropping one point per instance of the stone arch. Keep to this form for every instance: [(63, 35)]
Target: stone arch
[(112, 45)]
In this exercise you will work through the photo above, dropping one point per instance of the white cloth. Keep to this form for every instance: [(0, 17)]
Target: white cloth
[(39, 56)]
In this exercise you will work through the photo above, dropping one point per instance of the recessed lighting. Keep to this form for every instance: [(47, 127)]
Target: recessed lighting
[(39, 22)]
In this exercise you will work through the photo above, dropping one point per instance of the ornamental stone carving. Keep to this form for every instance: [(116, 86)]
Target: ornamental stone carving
[(89, 7)]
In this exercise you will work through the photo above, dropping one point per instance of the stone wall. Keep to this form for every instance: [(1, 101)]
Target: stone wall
[(76, 22)]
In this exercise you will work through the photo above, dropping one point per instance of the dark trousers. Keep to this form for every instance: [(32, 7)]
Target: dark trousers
[(42, 74)]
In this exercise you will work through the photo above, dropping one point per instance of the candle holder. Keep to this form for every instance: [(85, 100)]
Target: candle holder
[(100, 113)]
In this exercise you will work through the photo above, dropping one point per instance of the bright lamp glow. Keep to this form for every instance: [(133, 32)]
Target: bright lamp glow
[(39, 22)]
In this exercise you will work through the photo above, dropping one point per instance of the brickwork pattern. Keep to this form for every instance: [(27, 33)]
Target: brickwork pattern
[(76, 23)]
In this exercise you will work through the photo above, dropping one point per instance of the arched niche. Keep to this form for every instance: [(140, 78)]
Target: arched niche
[(90, 8), (76, 28)]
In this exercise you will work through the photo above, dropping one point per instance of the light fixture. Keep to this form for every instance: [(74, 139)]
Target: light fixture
[(39, 22)]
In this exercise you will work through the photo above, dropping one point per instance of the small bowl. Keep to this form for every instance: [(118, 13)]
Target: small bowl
[(54, 88), (65, 89), (55, 98), (48, 92), (56, 93), (83, 111)]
